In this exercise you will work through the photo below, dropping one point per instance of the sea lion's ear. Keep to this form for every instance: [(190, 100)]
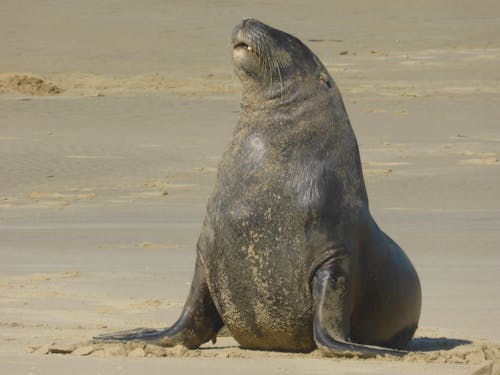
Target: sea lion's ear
[(323, 78)]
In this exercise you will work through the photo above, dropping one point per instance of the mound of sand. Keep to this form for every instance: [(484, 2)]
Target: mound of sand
[(27, 84)]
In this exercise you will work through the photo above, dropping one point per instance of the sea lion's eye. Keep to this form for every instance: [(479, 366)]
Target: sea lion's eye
[(324, 78)]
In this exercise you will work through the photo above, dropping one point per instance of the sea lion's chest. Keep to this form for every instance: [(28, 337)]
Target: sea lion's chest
[(258, 267), (257, 194)]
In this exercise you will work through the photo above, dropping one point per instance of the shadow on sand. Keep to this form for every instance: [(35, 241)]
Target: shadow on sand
[(431, 344)]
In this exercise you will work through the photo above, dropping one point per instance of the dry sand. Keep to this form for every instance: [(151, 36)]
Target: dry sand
[(114, 117)]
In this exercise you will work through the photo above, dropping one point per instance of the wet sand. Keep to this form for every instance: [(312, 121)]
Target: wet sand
[(114, 117)]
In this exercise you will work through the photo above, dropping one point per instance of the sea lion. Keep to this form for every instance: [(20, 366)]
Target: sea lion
[(289, 257)]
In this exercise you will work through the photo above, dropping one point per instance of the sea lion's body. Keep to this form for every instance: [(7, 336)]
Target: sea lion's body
[(289, 257)]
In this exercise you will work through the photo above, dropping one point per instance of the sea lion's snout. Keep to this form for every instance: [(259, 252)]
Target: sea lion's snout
[(242, 35), (245, 57)]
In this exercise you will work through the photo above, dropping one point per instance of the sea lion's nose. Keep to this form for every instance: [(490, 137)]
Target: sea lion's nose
[(246, 21)]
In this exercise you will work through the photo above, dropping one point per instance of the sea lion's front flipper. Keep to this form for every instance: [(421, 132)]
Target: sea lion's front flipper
[(198, 323), (331, 291)]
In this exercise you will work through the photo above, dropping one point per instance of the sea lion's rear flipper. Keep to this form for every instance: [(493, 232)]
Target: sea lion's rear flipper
[(331, 324), (198, 323)]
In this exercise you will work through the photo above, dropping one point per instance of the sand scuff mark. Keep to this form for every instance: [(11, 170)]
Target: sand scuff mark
[(480, 161), (479, 154), (93, 157), (6, 202), (386, 163), (442, 56), (135, 306), (481, 354), (27, 84), (378, 172), (414, 90), (18, 293), (478, 158), (146, 245), (83, 196), (205, 169), (429, 347), (151, 189), (34, 286), (156, 246), (382, 168), (20, 285), (154, 304), (46, 199), (37, 195), (38, 277), (398, 112)]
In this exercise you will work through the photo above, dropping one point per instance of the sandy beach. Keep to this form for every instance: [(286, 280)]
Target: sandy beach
[(114, 118)]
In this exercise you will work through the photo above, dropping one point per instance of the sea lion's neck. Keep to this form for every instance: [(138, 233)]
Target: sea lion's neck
[(279, 98), (290, 107)]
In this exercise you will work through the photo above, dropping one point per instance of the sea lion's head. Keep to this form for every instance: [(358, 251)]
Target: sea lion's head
[(274, 66)]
